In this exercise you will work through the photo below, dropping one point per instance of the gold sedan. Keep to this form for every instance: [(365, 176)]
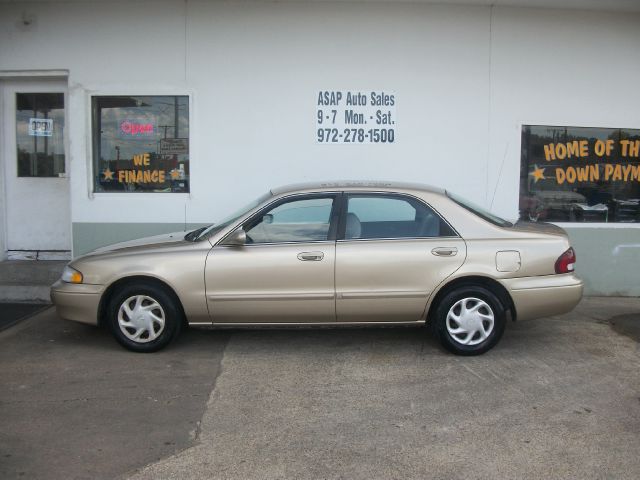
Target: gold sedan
[(331, 254)]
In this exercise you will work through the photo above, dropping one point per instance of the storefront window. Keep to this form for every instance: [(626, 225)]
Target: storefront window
[(580, 174), (141, 143)]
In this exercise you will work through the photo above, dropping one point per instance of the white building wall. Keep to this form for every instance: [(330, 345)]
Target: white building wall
[(257, 72), (557, 67), (253, 70), (465, 78), (108, 46)]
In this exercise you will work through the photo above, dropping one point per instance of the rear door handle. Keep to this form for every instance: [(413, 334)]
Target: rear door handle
[(444, 251), (310, 256)]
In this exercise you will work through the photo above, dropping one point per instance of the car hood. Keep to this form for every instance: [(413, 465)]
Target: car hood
[(164, 240), (539, 227)]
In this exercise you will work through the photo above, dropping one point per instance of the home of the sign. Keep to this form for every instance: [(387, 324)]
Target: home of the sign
[(602, 149), (141, 175)]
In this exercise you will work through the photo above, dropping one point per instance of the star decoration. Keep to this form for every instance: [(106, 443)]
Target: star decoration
[(537, 174), (175, 174), (108, 174)]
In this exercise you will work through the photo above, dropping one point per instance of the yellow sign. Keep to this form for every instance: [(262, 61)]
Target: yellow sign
[(597, 161), (140, 174)]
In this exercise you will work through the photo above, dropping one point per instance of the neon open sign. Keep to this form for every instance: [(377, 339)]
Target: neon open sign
[(133, 128)]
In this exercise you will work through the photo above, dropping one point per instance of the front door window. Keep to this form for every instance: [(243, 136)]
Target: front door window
[(305, 220), (40, 134)]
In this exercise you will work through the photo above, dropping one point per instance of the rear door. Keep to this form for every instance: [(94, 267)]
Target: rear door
[(392, 252)]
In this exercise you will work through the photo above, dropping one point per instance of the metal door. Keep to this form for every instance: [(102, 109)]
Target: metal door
[(396, 250), (35, 166), (285, 274)]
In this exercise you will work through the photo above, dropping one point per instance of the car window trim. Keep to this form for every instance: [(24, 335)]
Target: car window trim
[(395, 239), (403, 196), (266, 244)]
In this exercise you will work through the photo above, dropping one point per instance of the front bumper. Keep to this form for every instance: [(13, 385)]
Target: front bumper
[(535, 297), (77, 302)]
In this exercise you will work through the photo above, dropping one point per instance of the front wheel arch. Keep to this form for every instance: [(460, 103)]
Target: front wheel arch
[(473, 281), (118, 284)]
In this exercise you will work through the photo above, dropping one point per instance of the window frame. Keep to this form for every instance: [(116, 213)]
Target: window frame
[(397, 195), (559, 122), (333, 218), (105, 91)]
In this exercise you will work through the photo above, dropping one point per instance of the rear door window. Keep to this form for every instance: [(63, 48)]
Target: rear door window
[(391, 216)]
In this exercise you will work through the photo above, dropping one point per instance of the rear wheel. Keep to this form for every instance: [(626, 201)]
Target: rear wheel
[(469, 320), (144, 317)]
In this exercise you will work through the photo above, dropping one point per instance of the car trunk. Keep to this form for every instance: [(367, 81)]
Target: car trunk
[(539, 227)]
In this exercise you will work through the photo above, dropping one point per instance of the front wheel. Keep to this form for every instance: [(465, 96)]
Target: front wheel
[(469, 320), (144, 317)]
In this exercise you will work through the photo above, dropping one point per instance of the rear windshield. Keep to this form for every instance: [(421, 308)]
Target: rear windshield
[(479, 211)]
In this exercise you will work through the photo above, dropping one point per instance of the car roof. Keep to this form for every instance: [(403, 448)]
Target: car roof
[(355, 184)]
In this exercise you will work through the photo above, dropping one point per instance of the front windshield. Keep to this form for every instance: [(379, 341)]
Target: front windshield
[(229, 219), (481, 212)]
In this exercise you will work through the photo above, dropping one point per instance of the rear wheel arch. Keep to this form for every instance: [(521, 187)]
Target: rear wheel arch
[(476, 280), (112, 289)]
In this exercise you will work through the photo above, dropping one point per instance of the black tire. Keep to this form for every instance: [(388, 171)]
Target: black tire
[(148, 293), (488, 303)]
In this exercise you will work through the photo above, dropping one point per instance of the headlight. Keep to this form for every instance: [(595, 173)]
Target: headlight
[(71, 275)]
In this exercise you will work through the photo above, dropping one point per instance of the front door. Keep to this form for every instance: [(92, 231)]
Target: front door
[(394, 252), (285, 272), (34, 163)]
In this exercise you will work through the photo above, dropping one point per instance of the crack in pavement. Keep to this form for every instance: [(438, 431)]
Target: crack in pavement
[(194, 434), (80, 406)]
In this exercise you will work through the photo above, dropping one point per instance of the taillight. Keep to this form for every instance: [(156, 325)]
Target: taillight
[(566, 262)]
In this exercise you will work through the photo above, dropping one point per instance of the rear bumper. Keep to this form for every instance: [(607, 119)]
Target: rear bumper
[(78, 303), (535, 297)]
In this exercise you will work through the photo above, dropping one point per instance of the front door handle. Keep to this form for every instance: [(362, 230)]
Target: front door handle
[(445, 251), (310, 256)]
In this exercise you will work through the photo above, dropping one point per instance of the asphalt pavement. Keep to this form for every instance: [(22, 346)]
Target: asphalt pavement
[(557, 398), (76, 405), (12, 313)]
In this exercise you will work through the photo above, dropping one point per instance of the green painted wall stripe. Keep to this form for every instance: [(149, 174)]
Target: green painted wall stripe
[(89, 236), (608, 260)]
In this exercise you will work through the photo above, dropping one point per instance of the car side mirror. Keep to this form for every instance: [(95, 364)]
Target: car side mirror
[(237, 238), (268, 218)]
